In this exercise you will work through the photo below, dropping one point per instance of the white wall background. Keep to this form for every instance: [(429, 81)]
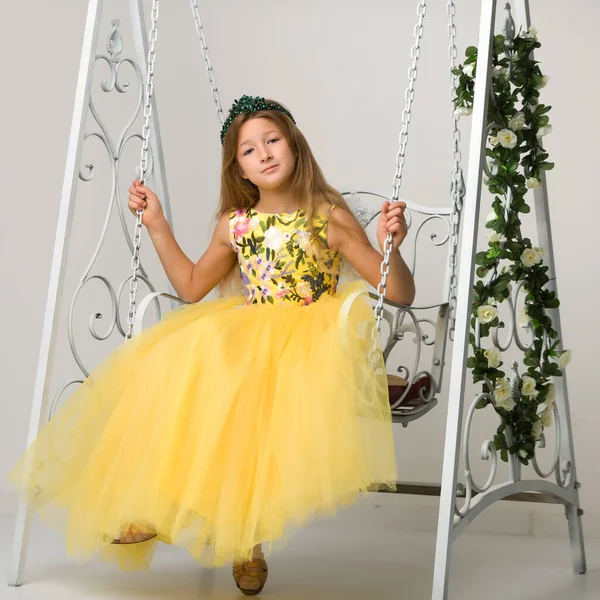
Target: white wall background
[(341, 68)]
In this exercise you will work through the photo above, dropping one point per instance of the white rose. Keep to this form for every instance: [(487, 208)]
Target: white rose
[(499, 71), (507, 138), (496, 238), (544, 82), (503, 394), (463, 111), (468, 69), (524, 318), (493, 357), (536, 430), (533, 183), (528, 386), (546, 417), (564, 358), (517, 122), (273, 238), (494, 140), (486, 313), (544, 130), (531, 34), (530, 257), (550, 395)]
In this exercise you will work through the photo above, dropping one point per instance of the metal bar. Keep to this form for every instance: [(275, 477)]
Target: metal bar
[(55, 286), (435, 489), (542, 216), (439, 347), (445, 534), (505, 490)]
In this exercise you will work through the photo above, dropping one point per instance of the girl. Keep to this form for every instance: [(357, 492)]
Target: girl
[(230, 422)]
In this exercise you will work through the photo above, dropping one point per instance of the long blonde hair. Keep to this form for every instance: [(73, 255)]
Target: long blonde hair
[(308, 184)]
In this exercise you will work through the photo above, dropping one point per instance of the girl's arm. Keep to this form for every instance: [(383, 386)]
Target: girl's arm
[(192, 282), (346, 235)]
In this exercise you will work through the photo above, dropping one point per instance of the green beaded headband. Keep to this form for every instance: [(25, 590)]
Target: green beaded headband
[(248, 104)]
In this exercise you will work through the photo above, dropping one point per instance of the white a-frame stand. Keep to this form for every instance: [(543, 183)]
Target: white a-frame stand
[(454, 518), (44, 406), (460, 503)]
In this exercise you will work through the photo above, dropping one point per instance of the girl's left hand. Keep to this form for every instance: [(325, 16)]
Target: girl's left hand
[(392, 220)]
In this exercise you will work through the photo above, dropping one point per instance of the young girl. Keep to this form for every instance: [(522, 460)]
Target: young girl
[(231, 422)]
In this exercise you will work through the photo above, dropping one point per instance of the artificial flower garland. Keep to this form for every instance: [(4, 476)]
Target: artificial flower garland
[(516, 122)]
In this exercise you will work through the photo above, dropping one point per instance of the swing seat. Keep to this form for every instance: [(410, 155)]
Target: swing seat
[(417, 393), (413, 393)]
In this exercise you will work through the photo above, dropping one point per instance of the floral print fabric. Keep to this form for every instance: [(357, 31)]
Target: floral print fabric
[(280, 262)]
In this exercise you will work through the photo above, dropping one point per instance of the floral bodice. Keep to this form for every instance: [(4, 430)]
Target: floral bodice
[(279, 261)]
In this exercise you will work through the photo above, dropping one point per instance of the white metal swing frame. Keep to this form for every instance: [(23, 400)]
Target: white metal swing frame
[(453, 518)]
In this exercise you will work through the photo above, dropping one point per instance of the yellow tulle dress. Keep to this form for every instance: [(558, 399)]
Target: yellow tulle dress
[(230, 422)]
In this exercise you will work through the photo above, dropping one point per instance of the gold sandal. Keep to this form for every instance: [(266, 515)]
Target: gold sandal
[(132, 535), (256, 570)]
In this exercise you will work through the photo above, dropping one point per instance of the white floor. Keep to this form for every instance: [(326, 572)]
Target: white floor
[(362, 554)]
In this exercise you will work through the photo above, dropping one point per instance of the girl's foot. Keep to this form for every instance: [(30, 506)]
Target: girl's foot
[(132, 535), (251, 576)]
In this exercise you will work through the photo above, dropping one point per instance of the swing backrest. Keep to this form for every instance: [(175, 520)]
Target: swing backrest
[(414, 339)]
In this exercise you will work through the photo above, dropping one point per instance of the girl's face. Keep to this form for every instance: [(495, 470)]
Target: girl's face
[(264, 155)]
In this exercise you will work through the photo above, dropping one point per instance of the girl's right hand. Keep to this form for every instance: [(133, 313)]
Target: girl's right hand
[(140, 197)]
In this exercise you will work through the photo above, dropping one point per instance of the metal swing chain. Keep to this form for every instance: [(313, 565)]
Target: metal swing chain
[(409, 95), (209, 69), (457, 179), (137, 238)]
